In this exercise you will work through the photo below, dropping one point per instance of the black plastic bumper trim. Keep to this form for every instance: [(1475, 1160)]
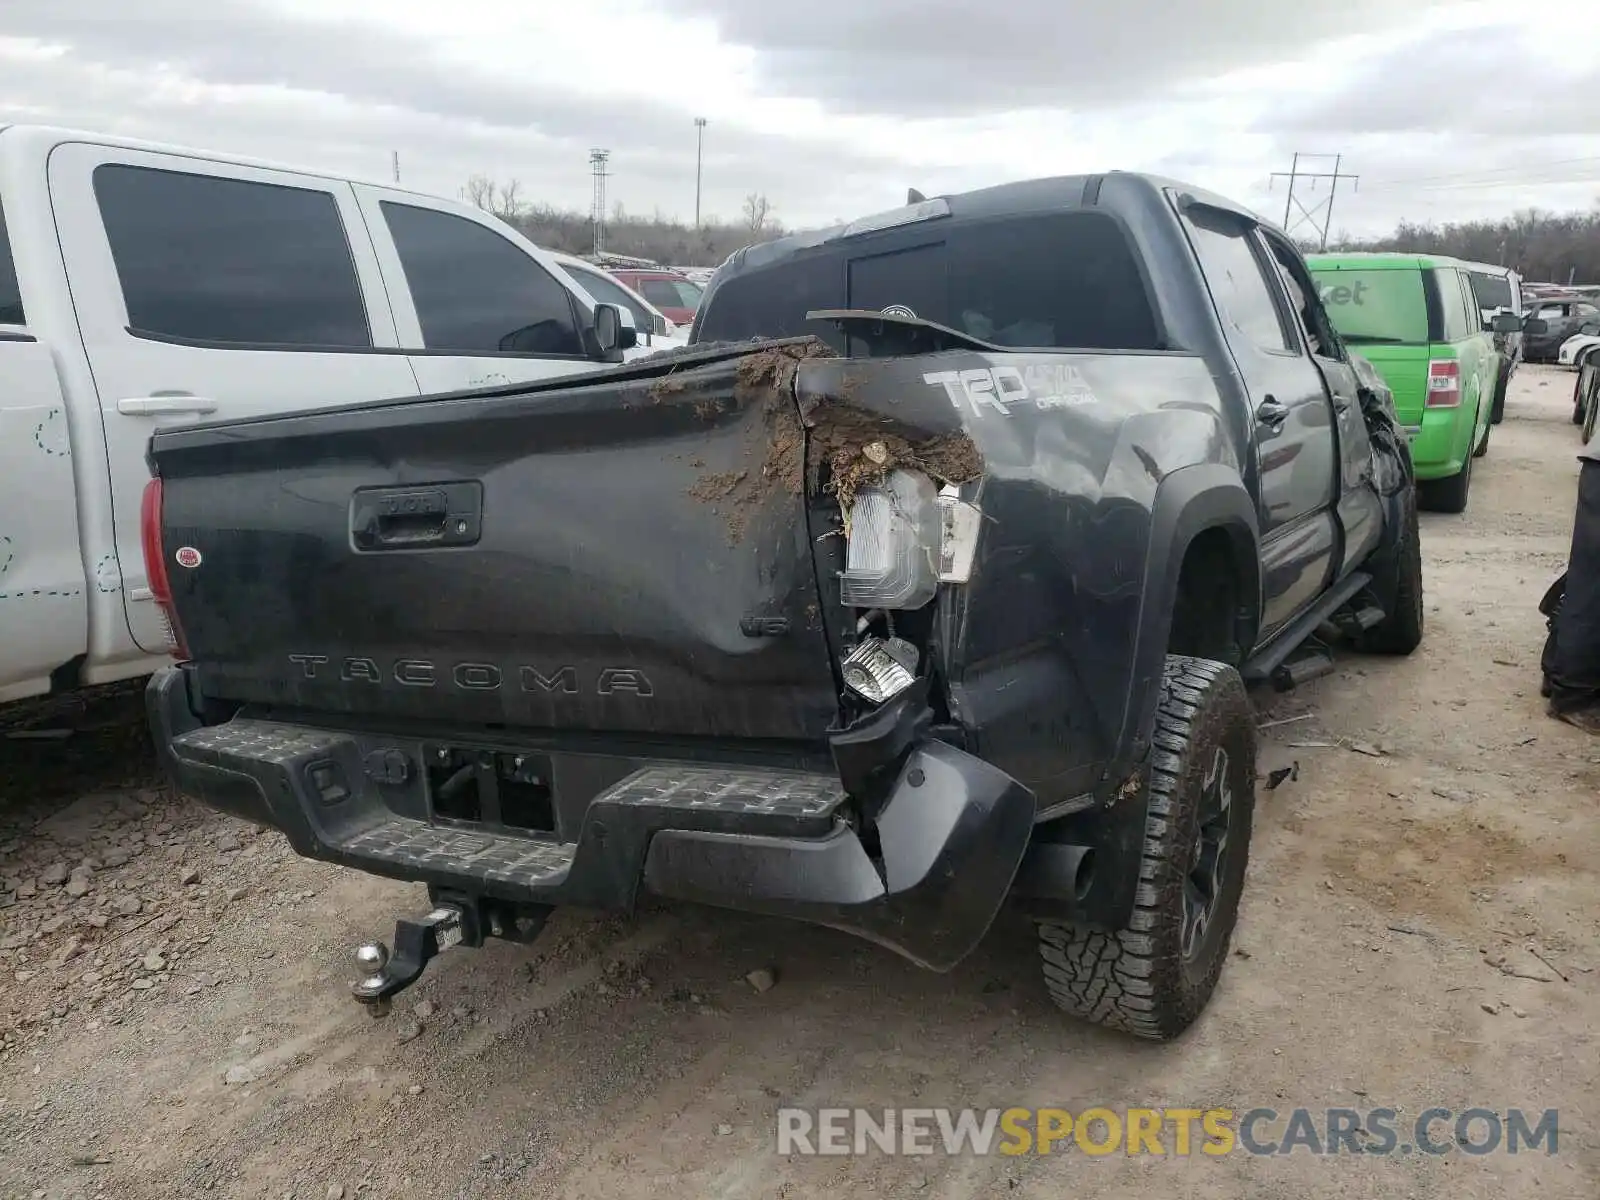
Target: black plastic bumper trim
[(950, 837)]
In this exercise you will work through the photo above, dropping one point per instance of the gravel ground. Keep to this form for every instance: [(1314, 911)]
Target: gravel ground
[(1420, 928)]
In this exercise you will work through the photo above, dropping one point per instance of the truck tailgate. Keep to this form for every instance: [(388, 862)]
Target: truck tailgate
[(618, 557)]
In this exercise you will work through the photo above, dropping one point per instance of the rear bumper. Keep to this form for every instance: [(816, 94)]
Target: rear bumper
[(949, 838), (1439, 444)]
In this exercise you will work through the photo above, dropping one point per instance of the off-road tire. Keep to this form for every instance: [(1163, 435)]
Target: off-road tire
[(1448, 495), (1397, 581), (1497, 411), (1138, 979)]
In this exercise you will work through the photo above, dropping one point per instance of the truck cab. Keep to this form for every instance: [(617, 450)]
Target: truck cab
[(146, 286)]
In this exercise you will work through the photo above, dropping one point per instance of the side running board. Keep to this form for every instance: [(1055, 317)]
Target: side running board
[(1275, 653)]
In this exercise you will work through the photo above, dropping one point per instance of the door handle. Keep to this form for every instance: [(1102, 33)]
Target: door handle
[(1272, 412), (146, 406)]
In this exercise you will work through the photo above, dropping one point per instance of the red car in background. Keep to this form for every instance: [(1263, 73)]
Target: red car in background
[(676, 296)]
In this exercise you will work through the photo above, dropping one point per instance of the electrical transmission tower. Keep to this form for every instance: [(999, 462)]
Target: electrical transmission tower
[(598, 162), (1320, 214)]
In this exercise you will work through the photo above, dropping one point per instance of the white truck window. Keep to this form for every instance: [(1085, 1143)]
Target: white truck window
[(477, 293), (207, 259), (606, 290), (10, 294)]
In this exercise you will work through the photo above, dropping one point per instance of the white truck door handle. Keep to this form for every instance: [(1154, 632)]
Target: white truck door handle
[(143, 406)]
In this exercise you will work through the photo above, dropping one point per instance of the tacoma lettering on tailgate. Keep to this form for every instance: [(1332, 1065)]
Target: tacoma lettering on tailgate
[(473, 676)]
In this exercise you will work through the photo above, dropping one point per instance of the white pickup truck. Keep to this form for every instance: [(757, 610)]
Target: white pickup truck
[(143, 285)]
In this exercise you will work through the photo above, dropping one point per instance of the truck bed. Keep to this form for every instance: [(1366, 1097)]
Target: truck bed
[(595, 556)]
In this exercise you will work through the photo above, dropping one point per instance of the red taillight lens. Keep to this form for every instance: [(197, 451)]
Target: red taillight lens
[(1444, 383), (155, 565)]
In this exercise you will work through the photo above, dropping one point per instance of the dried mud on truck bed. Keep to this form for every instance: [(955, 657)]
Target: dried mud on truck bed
[(850, 447)]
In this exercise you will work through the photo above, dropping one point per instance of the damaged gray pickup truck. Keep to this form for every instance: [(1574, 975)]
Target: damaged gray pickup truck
[(924, 587)]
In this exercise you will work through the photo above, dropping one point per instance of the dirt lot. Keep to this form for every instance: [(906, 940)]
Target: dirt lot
[(1421, 927)]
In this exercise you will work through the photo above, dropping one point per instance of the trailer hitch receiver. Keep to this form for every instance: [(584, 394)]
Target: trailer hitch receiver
[(452, 921)]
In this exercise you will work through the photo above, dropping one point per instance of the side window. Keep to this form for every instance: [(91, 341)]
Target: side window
[(10, 294), (1449, 289), (1239, 284), (1305, 301), (1469, 301), (209, 259), (476, 292), (604, 290)]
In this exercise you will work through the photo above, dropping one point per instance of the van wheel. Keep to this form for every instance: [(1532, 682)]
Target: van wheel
[(1397, 582), (1448, 495), (1497, 411), (1153, 978)]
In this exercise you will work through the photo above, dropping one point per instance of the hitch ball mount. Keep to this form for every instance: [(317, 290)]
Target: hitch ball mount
[(452, 921)]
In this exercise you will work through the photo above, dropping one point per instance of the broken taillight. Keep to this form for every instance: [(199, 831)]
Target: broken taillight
[(1444, 383), (155, 566)]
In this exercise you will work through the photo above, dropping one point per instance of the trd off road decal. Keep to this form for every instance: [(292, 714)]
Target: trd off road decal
[(1044, 385)]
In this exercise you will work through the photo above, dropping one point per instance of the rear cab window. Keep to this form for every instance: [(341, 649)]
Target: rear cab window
[(203, 258), (11, 312), (670, 293), (1376, 305), (1061, 280), (477, 292)]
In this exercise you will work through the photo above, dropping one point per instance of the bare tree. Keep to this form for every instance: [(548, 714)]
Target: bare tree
[(506, 202), (502, 199), (1543, 246), (480, 192), (659, 237), (757, 208)]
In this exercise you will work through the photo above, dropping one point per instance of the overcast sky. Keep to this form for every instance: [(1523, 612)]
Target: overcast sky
[(1447, 109)]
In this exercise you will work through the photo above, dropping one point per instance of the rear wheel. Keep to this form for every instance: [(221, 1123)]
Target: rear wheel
[(1497, 412), (1154, 977), (1448, 495)]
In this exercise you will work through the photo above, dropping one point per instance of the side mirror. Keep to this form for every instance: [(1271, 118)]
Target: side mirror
[(1505, 322), (611, 332), (1535, 326)]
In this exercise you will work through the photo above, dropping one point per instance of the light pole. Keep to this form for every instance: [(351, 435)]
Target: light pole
[(699, 156)]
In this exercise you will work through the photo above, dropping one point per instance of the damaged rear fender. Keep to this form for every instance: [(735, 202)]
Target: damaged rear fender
[(1188, 503)]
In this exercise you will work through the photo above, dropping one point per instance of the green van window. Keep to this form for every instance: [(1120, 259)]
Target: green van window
[(1456, 301), (1375, 306)]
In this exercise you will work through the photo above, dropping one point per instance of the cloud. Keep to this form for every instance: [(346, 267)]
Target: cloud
[(835, 109), (953, 57), (1472, 80), (331, 91)]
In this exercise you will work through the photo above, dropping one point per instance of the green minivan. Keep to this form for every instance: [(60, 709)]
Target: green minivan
[(1416, 318)]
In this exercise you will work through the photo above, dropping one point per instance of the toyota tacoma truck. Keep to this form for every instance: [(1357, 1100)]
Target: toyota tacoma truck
[(922, 587)]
